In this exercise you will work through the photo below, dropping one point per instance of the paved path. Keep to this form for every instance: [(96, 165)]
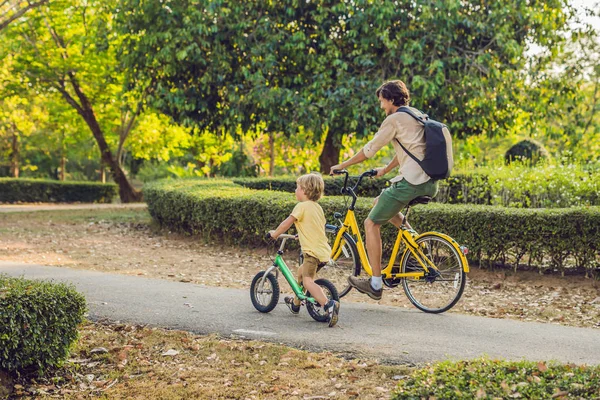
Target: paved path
[(4, 208), (391, 334)]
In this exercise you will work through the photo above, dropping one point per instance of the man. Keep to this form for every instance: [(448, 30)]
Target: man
[(410, 183)]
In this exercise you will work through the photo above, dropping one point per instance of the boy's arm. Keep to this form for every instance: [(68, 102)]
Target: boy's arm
[(283, 227)]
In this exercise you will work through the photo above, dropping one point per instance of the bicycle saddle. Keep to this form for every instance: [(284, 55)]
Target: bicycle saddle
[(420, 200)]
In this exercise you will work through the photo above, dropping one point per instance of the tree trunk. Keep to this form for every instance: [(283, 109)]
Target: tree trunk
[(126, 192), (102, 172), (15, 156), (330, 155), (271, 153), (63, 165)]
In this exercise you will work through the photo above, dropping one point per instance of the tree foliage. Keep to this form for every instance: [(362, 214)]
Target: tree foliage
[(221, 64)]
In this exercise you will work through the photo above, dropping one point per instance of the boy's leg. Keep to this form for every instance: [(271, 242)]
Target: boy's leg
[(293, 302), (309, 272), (300, 273), (315, 290)]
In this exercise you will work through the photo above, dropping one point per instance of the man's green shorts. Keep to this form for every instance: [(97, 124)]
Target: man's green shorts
[(393, 199)]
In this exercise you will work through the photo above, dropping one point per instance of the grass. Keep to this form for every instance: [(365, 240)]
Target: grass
[(134, 216), (493, 379)]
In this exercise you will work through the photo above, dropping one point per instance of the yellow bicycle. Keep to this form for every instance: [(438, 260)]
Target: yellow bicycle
[(432, 267)]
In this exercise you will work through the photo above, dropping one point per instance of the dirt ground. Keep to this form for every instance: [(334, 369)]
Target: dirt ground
[(134, 362), (126, 241)]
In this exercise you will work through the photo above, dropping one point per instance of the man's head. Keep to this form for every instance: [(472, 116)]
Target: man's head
[(311, 186), (393, 94)]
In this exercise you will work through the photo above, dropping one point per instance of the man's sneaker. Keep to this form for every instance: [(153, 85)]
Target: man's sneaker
[(364, 286), (333, 309), (289, 301)]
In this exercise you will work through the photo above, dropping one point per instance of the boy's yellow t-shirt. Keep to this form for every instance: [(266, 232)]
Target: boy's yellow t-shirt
[(310, 223)]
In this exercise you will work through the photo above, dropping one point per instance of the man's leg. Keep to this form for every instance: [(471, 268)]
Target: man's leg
[(373, 238), (396, 219)]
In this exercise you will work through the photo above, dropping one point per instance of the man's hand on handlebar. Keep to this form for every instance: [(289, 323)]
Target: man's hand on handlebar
[(380, 171), (335, 169)]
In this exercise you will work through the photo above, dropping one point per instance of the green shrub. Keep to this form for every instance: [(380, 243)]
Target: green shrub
[(489, 379), (38, 323), (333, 186), (528, 151), (549, 186), (40, 190), (547, 238)]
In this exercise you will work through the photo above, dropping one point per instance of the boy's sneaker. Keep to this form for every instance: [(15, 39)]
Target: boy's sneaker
[(364, 286), (289, 301), (333, 309)]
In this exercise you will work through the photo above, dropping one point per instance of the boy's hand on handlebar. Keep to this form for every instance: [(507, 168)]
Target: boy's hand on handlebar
[(271, 236), (380, 171)]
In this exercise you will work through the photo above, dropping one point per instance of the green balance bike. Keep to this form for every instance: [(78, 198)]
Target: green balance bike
[(264, 290)]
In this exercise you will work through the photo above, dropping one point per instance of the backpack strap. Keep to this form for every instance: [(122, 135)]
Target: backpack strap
[(409, 153), (410, 112)]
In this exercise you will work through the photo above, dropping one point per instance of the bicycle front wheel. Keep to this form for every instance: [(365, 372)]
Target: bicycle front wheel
[(437, 291), (343, 264)]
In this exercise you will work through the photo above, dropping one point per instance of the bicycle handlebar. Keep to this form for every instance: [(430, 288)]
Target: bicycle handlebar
[(282, 236), (345, 190)]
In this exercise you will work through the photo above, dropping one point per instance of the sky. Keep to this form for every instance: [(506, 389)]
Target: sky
[(593, 4)]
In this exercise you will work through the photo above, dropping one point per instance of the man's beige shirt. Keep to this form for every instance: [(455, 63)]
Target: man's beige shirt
[(411, 134)]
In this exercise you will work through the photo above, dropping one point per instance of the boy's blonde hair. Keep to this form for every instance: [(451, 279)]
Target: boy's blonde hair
[(312, 185)]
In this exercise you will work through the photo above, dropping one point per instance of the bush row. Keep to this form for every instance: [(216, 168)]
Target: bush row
[(49, 191), (492, 379), (38, 323), (547, 238), (548, 187)]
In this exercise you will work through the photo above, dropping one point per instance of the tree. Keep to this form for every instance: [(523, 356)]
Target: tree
[(11, 10), (66, 47), (221, 64)]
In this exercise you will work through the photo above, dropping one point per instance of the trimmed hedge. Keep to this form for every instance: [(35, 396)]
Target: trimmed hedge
[(547, 238), (492, 379), (333, 186), (38, 323), (547, 187), (48, 191)]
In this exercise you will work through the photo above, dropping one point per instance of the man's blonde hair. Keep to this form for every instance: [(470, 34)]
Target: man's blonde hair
[(312, 185)]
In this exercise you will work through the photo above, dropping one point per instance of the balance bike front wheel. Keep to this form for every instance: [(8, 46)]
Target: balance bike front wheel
[(264, 293)]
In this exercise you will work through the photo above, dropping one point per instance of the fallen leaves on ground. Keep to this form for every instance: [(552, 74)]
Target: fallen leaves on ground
[(174, 364)]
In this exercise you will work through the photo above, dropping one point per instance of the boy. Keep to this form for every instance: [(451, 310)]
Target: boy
[(310, 222)]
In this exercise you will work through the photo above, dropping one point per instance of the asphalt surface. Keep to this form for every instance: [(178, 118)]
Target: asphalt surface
[(390, 334)]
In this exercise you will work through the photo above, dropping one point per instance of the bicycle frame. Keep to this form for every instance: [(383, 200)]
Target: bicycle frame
[(351, 224), (280, 265), (404, 236)]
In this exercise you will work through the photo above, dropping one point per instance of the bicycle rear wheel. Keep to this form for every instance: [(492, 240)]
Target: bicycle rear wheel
[(343, 264), (315, 310), (437, 291)]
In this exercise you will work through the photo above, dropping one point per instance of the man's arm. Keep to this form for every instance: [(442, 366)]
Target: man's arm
[(356, 159), (391, 165), (384, 136)]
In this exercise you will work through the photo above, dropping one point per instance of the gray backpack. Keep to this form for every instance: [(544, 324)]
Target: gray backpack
[(438, 160)]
